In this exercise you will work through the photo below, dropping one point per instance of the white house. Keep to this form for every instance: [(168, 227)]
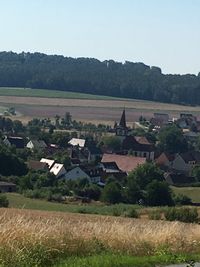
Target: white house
[(49, 162), (58, 170), (77, 142)]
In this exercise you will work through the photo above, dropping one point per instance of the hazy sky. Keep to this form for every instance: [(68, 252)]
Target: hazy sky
[(164, 33)]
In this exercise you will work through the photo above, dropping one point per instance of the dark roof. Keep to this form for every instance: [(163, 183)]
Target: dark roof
[(110, 165), (16, 141), (130, 142), (122, 122), (37, 165), (191, 156), (181, 178)]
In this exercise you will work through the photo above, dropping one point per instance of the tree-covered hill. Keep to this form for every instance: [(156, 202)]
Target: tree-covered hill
[(89, 75)]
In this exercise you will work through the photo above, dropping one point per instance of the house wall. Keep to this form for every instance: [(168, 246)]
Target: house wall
[(7, 188)]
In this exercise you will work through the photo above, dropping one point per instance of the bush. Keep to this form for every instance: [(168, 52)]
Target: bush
[(182, 214), (3, 201), (131, 213), (182, 200)]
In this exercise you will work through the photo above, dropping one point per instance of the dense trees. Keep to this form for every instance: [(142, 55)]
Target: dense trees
[(171, 139), (89, 75)]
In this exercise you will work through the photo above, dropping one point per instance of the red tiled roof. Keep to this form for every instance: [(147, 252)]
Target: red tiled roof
[(124, 163)]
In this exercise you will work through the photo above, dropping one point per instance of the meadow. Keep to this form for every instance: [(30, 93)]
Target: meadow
[(37, 238)]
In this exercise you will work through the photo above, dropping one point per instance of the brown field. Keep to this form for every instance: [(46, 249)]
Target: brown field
[(114, 232), (91, 110), (36, 238)]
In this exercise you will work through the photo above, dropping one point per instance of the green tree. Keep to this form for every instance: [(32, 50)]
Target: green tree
[(145, 174), (112, 193), (112, 142), (132, 191), (159, 194), (171, 139)]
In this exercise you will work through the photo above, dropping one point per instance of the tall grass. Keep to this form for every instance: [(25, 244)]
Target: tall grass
[(34, 238)]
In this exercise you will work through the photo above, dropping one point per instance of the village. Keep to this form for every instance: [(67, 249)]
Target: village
[(99, 154)]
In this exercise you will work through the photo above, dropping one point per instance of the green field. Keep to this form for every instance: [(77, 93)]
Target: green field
[(27, 92), (21, 202), (191, 192)]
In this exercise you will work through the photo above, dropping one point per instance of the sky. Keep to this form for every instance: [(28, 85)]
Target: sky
[(163, 33)]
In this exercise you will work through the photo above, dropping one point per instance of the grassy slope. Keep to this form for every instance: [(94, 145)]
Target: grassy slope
[(6, 91), (192, 192), (19, 201)]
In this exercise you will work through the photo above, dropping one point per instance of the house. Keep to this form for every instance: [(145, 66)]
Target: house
[(37, 165), (76, 174), (49, 162), (165, 160), (124, 163), (185, 162), (36, 144), (94, 173), (16, 141), (173, 178), (110, 169), (77, 142), (139, 146), (58, 170), (7, 187), (159, 120)]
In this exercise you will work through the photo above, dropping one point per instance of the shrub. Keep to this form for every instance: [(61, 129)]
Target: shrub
[(182, 214), (182, 200), (3, 201), (131, 213)]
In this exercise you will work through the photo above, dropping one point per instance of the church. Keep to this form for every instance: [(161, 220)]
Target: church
[(138, 145)]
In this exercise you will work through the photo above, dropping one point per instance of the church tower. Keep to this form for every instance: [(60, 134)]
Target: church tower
[(122, 129)]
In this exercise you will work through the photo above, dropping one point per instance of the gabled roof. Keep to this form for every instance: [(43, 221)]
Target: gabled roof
[(77, 142), (50, 162), (16, 141), (191, 156), (57, 167), (130, 142), (124, 163), (38, 143)]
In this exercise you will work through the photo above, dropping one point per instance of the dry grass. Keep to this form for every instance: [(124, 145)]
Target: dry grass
[(35, 238)]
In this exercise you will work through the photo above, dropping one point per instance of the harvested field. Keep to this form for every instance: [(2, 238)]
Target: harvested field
[(94, 110)]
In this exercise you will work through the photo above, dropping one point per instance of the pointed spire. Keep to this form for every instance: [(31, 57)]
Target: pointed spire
[(123, 119)]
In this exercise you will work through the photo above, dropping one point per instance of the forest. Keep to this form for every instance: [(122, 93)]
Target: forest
[(89, 75)]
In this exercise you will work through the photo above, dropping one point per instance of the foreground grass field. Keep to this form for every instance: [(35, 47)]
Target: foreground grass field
[(36, 238)]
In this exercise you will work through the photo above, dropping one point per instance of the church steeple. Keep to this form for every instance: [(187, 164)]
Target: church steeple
[(123, 120), (121, 129)]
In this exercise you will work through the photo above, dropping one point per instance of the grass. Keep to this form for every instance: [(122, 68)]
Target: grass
[(109, 260), (27, 92), (21, 202), (38, 238), (191, 192)]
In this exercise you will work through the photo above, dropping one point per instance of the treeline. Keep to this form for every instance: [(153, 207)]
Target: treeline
[(89, 75)]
